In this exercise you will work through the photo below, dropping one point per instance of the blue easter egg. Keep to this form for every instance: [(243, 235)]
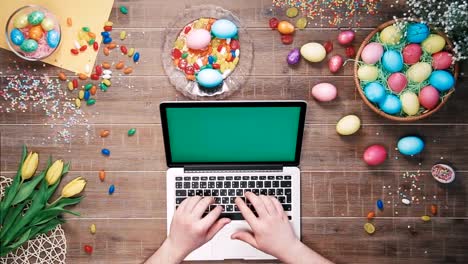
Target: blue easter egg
[(442, 80), (209, 78), (392, 61), (417, 32), (375, 92), (224, 29), (17, 37), (411, 145), (391, 104), (53, 38)]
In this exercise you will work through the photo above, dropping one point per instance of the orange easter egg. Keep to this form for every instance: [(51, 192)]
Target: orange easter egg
[(36, 33), (284, 27)]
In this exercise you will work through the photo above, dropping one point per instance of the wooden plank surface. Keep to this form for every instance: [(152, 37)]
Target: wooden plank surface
[(338, 189)]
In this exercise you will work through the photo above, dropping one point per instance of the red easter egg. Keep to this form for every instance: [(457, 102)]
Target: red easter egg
[(429, 97), (335, 63), (442, 60), (375, 155), (412, 53), (397, 82)]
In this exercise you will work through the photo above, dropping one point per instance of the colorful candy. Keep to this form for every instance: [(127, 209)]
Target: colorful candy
[(123, 35), (273, 23), (16, 37), (104, 133), (370, 215), (111, 189), (92, 229), (425, 218), (293, 57), (131, 132), (369, 228), (88, 249), (36, 17), (292, 12), (136, 57), (380, 205), (128, 70), (29, 45), (105, 152), (123, 9), (285, 28), (102, 175), (434, 209)]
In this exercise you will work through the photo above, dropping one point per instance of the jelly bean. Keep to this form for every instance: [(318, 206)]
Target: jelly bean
[(103, 87), (102, 175), (128, 70), (107, 40), (86, 95), (123, 10), (210, 59), (105, 34), (92, 35), (350, 52), (85, 29), (426, 218), (273, 23), (105, 152), (235, 44), (107, 82), (95, 46), (176, 53), (111, 46), (107, 28), (197, 67), (136, 57), (106, 76), (81, 94), (187, 29), (111, 189), (88, 86), (106, 51), (69, 22), (92, 229), (369, 228), (301, 23), (91, 41), (123, 35), (123, 49), (98, 69), (74, 51), (94, 76), (433, 209), (70, 86), (62, 76), (88, 249), (109, 23), (328, 46), (405, 201), (215, 65), (190, 77), (77, 103), (380, 205), (182, 64), (91, 101), (287, 39), (119, 65), (370, 215), (131, 131), (82, 76), (189, 70), (130, 52), (106, 65), (75, 83), (104, 133), (93, 90), (107, 72)]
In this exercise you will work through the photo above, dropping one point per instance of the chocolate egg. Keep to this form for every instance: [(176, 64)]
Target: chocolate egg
[(391, 104), (412, 53), (348, 125), (442, 80), (324, 92), (335, 63), (410, 103), (36, 33), (224, 29), (346, 37), (53, 38), (397, 82), (419, 72), (313, 52), (390, 35), (293, 56), (429, 97), (47, 24), (16, 36), (417, 32), (442, 60), (392, 61), (286, 28), (36, 17), (372, 53), (20, 21), (198, 39), (375, 155), (375, 92), (433, 44), (29, 45)]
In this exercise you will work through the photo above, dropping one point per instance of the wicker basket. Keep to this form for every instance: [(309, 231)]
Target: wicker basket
[(376, 109)]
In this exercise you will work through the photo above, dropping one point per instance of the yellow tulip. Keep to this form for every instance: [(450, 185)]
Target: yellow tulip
[(74, 187), (29, 166), (54, 172)]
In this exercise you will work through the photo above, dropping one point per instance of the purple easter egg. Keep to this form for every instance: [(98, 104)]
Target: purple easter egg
[(293, 57)]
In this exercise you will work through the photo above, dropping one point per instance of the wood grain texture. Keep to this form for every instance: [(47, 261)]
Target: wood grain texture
[(338, 189)]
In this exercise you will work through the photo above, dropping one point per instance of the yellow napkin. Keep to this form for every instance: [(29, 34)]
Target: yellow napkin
[(89, 13)]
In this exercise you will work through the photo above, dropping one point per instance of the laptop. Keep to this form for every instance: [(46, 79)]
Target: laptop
[(226, 148)]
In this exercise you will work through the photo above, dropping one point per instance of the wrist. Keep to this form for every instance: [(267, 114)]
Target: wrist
[(168, 253), (293, 252), (175, 251)]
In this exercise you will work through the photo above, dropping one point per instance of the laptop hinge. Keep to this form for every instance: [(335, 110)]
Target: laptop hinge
[(250, 167)]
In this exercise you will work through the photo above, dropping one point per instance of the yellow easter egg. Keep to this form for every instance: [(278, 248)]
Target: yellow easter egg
[(47, 24), (410, 103), (313, 52), (348, 125), (434, 43), (368, 73), (20, 21), (390, 35), (419, 72)]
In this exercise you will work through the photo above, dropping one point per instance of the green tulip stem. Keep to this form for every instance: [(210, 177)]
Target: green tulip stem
[(54, 202)]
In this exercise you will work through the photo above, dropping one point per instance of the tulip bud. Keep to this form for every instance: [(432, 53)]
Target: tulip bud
[(74, 187), (29, 165), (54, 172)]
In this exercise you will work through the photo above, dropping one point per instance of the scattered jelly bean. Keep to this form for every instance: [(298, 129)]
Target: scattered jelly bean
[(106, 51), (105, 152), (86, 95), (215, 65), (123, 10), (292, 12), (83, 48), (123, 35), (91, 41), (273, 23), (210, 59), (369, 228), (119, 65), (189, 70), (107, 40), (106, 76), (74, 51), (85, 29), (88, 249), (405, 201), (104, 133), (109, 23), (70, 86), (88, 86), (103, 87), (123, 49), (93, 90), (131, 51), (301, 23), (111, 189), (131, 131), (107, 82), (102, 175), (176, 53), (350, 52), (75, 83), (92, 229), (91, 101), (82, 76), (98, 69), (370, 215), (62, 76), (92, 35), (380, 205), (426, 218), (106, 65), (328, 46), (128, 70), (107, 72), (105, 34), (136, 57), (69, 22), (287, 39), (95, 46), (77, 103), (94, 76), (81, 94), (187, 29), (107, 28), (434, 209)]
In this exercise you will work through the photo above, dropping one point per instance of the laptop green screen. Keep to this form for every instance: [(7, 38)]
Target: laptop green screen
[(233, 134)]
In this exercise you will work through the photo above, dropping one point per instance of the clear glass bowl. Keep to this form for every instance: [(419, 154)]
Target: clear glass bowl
[(231, 83), (44, 50)]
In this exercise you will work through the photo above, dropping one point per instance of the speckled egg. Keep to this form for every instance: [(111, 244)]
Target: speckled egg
[(47, 24), (442, 80), (375, 92), (53, 38), (410, 103), (442, 60), (392, 61), (16, 36), (324, 92), (209, 78), (390, 35), (372, 53), (412, 53), (313, 52), (348, 125), (198, 39), (36, 17), (419, 72), (224, 29), (36, 33), (397, 82), (410, 146), (368, 73), (20, 21), (434, 43), (429, 97), (417, 32), (29, 45), (391, 104)]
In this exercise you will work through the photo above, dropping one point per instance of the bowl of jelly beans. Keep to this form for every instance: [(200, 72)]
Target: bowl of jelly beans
[(33, 32)]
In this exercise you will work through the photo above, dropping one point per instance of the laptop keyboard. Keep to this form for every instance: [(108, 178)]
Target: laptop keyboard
[(225, 189)]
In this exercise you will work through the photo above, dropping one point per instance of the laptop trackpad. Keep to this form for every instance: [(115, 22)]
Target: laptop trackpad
[(228, 248)]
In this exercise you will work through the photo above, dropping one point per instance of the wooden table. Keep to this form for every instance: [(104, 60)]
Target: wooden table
[(338, 189)]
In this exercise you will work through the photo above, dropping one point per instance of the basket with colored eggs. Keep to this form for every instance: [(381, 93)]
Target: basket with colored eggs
[(405, 71), (33, 33), (203, 57)]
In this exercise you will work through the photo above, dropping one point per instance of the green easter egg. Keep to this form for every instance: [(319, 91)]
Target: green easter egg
[(36, 17), (29, 45)]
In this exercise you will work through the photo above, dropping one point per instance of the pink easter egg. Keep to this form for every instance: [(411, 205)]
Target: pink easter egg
[(335, 63), (198, 39), (442, 60), (412, 53), (429, 97), (324, 92), (375, 155), (397, 82), (346, 37), (372, 53)]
